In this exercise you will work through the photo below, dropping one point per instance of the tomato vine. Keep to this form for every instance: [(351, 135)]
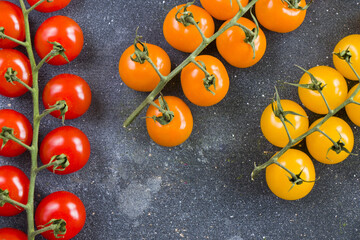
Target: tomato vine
[(57, 226)]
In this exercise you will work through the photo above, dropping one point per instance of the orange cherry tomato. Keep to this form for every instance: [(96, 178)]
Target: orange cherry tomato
[(278, 179), (318, 144), (175, 132), (351, 42), (335, 89), (276, 15), (234, 50), (192, 81), (352, 109), (273, 129), (187, 39), (143, 77), (222, 9)]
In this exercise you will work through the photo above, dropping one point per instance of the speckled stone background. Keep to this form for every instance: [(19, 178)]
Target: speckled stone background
[(135, 189)]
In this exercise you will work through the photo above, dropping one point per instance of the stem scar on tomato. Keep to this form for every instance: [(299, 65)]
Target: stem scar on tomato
[(167, 115)]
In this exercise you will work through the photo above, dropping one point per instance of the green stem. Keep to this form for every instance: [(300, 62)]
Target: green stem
[(41, 63), (34, 6), (42, 230), (18, 141), (178, 69), (327, 136), (36, 124), (326, 102), (3, 35), (13, 202)]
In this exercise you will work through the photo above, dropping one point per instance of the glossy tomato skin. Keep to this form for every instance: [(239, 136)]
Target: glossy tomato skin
[(223, 9), (61, 205), (318, 145), (187, 39), (193, 85), (274, 130), (175, 132), (22, 130), (12, 234), (351, 42), (69, 141), (11, 58), (17, 183), (143, 77), (335, 90), (278, 179), (53, 6), (276, 15), (63, 30), (235, 51), (352, 109), (12, 20), (71, 88)]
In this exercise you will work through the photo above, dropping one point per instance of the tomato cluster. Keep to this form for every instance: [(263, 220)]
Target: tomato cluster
[(204, 79), (330, 139), (65, 149)]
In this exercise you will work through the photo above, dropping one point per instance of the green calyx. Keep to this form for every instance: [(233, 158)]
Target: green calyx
[(186, 18), (58, 226), (10, 75), (344, 55), (58, 49), (167, 115), (59, 162), (209, 79), (338, 147), (294, 4), (4, 135), (251, 35), (278, 110), (62, 107), (315, 84), (3, 195), (140, 55)]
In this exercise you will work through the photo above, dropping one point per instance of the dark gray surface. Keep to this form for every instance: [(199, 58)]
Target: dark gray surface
[(135, 189)]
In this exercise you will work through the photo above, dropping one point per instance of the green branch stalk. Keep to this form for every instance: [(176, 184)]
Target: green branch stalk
[(332, 112), (33, 149), (165, 79)]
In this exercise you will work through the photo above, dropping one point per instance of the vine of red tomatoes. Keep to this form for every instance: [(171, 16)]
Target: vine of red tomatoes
[(64, 150)]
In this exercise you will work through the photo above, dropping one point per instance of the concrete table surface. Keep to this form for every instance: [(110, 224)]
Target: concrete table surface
[(134, 189)]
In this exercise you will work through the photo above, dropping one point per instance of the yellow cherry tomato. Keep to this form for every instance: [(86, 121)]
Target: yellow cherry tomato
[(273, 129), (318, 144), (335, 89), (352, 109), (351, 42), (278, 179)]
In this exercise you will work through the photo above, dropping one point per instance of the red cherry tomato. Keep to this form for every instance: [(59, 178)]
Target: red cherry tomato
[(71, 88), (63, 30), (12, 20), (22, 130), (187, 39), (143, 77), (192, 81), (234, 50), (61, 205), (175, 132), (276, 15), (11, 58), (12, 234), (17, 183), (69, 141), (222, 9), (52, 6)]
